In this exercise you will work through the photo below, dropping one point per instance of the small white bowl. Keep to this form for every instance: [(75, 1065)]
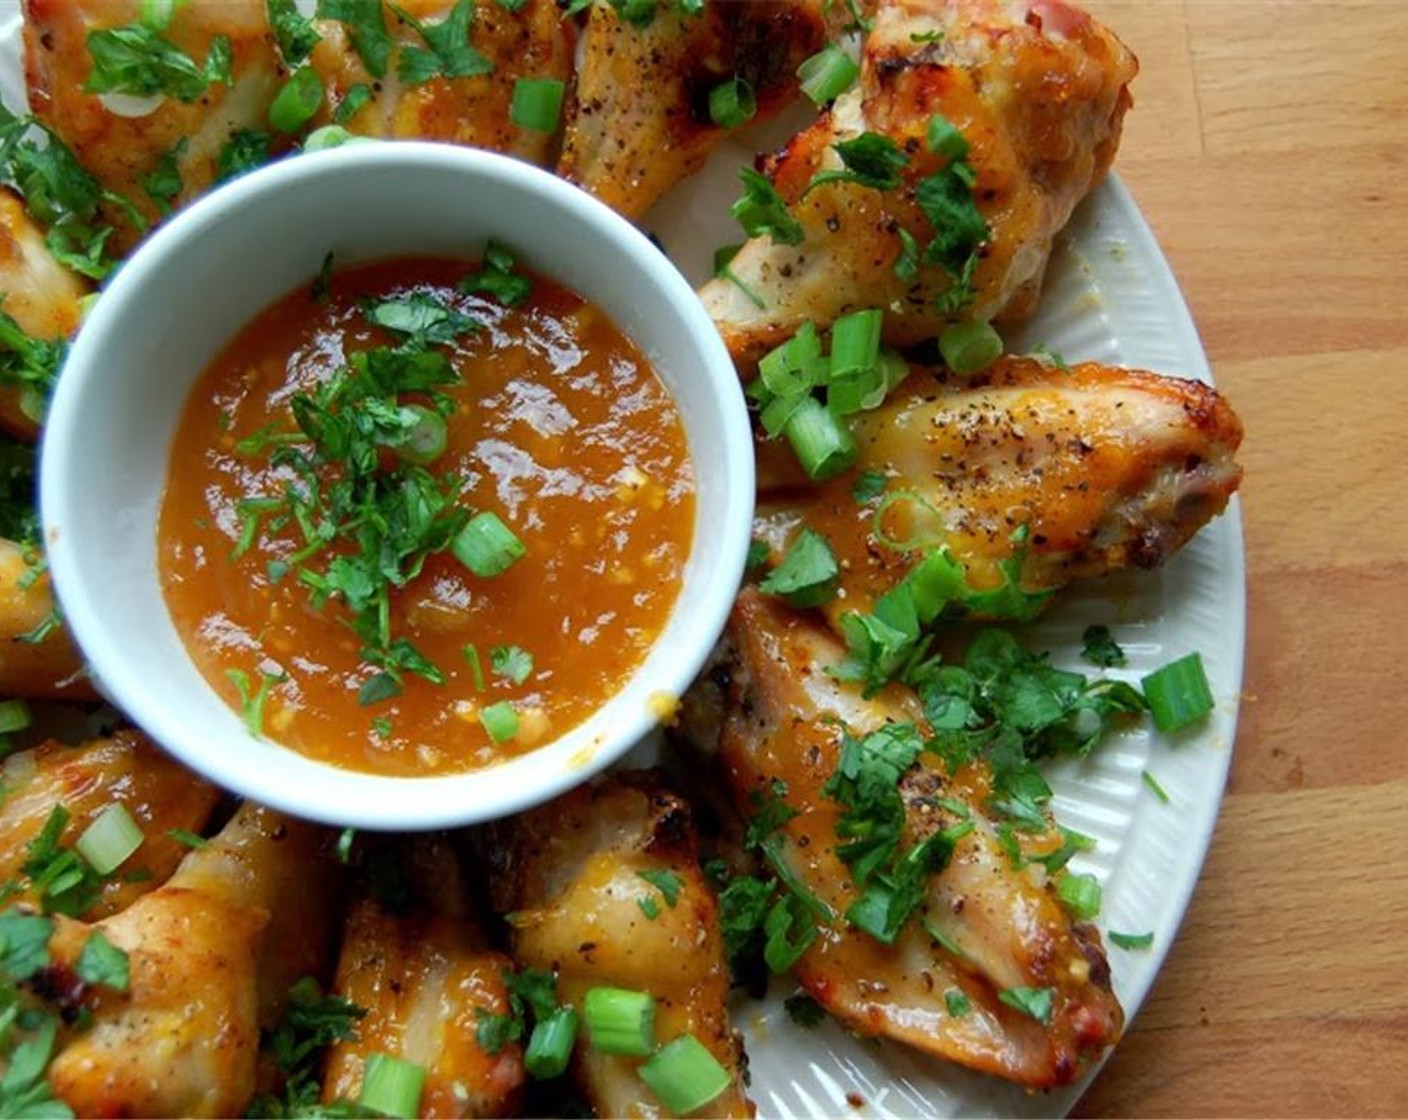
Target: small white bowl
[(209, 271)]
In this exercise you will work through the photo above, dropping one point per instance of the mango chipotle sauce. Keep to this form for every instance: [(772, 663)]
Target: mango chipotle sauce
[(425, 517)]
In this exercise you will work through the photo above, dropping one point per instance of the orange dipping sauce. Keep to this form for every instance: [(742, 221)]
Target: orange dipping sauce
[(559, 427)]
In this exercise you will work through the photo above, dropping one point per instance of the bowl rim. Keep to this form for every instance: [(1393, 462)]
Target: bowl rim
[(379, 801)]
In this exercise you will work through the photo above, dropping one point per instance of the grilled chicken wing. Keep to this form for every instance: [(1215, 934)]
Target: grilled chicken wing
[(424, 980), (120, 151), (125, 769), (1038, 90), (639, 121), (569, 875), (182, 1041), (785, 722), (41, 295), (1107, 468), (50, 666), (533, 41)]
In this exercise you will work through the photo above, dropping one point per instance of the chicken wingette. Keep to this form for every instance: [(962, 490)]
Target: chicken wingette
[(578, 879), (390, 86), (158, 122), (426, 978), (1005, 114), (639, 120), (158, 794), (1098, 468), (183, 1038), (983, 927)]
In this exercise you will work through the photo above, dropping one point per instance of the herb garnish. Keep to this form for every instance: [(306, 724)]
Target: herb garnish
[(138, 60), (312, 1022)]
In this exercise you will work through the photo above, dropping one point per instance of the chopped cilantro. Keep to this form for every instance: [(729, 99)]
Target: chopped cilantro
[(24, 943), (1154, 786), (352, 101), (803, 1010), (246, 150), (163, 183), (758, 553), (64, 881), (868, 486), (869, 160), (312, 1022), (649, 907), (447, 52), (515, 665), (761, 211), (140, 61), (1101, 648), (422, 320), (366, 27), (102, 962), (295, 34), (957, 1003), (808, 574), (1032, 1002), (666, 882), (498, 277)]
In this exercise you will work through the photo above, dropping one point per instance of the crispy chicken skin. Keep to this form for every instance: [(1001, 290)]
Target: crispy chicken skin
[(126, 768), (784, 722), (424, 978), (183, 1040), (1039, 91), (568, 875), (119, 151), (533, 42), (40, 294), (639, 121), (51, 668), (1108, 468)]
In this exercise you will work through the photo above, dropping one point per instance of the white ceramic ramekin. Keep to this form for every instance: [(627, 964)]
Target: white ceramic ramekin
[(211, 269)]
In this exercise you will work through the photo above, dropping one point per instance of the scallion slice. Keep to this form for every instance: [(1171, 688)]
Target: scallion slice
[(550, 1047), (684, 1075), (731, 103), (486, 546), (14, 716), (331, 136), (392, 1087), (110, 839), (970, 347), (500, 721), (537, 104), (425, 440), (1178, 694), (827, 74), (855, 342), (823, 443), (297, 100), (620, 1021)]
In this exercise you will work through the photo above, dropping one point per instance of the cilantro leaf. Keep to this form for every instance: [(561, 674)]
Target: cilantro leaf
[(312, 1022), (65, 882), (1100, 648), (1032, 1002), (808, 574), (449, 55), (868, 486), (422, 319), (498, 277), (246, 150), (366, 27), (140, 61), (512, 663), (295, 34), (102, 962), (665, 881), (761, 211), (869, 160), (24, 943), (803, 1010), (163, 183)]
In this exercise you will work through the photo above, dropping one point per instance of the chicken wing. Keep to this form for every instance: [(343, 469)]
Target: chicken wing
[(425, 979), (37, 656), (122, 140), (42, 297), (639, 121), (570, 877), (126, 769), (183, 1039), (531, 42), (1004, 926), (1105, 468), (1038, 91)]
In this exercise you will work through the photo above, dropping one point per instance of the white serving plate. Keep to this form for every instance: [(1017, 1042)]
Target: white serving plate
[(1110, 297)]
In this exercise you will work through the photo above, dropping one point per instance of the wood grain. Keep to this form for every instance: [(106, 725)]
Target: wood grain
[(1269, 150)]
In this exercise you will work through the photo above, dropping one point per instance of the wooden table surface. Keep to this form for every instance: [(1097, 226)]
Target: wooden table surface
[(1268, 148)]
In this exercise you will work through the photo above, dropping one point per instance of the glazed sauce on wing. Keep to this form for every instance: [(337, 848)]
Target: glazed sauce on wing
[(558, 427)]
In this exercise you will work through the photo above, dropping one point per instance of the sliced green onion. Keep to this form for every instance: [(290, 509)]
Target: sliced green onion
[(620, 1021), (921, 536), (1081, 894), (1132, 940), (331, 136), (855, 342), (824, 445), (425, 440), (500, 721), (392, 1087), (933, 583), (732, 103), (486, 546), (14, 716), (1178, 694), (550, 1047), (297, 100), (684, 1075), (537, 104), (110, 839), (827, 74), (156, 14), (970, 347), (476, 667)]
